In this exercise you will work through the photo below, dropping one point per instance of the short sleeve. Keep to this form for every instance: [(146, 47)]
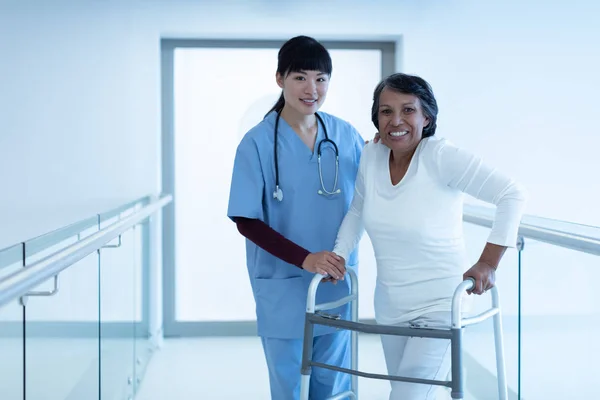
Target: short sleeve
[(247, 183)]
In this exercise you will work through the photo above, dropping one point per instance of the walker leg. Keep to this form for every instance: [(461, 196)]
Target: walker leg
[(354, 337), (458, 378), (354, 363), (500, 365), (307, 350), (304, 386)]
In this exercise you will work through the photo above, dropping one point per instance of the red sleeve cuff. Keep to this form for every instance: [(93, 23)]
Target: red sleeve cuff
[(271, 241)]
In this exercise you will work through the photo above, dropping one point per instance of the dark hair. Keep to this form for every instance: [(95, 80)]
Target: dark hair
[(409, 84), (301, 53)]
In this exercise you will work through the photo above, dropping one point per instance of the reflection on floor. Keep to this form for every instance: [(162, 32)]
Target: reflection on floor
[(65, 369), (234, 368), (560, 350)]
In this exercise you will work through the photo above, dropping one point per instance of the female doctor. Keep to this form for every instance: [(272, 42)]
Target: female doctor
[(293, 181)]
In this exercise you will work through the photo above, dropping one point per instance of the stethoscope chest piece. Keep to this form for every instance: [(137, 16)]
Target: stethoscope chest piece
[(278, 194)]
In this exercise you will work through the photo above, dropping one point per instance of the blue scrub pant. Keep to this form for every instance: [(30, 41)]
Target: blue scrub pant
[(284, 360)]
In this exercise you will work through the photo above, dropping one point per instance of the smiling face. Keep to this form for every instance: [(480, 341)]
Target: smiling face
[(304, 91), (401, 120)]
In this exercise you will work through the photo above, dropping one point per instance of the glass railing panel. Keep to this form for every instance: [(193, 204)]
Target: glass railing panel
[(117, 312), (143, 345), (560, 317), (479, 354), (11, 351), (62, 330), (11, 332)]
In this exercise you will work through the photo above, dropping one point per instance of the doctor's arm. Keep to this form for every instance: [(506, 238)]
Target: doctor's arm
[(246, 210), (276, 244), (468, 173)]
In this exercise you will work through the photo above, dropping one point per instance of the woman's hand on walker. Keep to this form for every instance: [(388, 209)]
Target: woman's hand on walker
[(484, 275), (325, 263)]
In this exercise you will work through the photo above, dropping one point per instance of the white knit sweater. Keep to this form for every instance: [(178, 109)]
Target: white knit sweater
[(416, 226)]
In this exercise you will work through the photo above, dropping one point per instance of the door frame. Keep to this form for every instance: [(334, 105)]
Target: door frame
[(390, 48)]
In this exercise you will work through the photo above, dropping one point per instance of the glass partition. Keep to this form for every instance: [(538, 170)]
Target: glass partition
[(560, 316), (143, 345), (62, 330), (117, 313), (551, 316), (11, 331), (83, 334), (479, 355)]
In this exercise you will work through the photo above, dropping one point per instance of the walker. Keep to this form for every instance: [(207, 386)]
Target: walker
[(314, 315)]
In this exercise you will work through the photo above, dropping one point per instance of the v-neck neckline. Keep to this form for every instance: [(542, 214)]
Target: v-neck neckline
[(408, 170), (313, 154)]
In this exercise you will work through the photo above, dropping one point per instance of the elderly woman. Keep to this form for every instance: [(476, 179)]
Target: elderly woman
[(409, 198)]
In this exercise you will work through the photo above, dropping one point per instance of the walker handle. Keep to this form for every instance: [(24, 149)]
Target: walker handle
[(472, 280)]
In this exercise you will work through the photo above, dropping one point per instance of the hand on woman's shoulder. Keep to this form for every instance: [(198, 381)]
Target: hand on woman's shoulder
[(371, 147)]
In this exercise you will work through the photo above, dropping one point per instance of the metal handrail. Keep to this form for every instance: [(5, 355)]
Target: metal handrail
[(19, 283), (14, 254), (561, 238)]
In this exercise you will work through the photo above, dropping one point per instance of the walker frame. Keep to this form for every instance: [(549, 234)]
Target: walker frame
[(316, 316)]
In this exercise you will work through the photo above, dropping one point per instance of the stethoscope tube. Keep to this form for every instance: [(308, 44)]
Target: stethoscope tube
[(278, 193), (324, 191)]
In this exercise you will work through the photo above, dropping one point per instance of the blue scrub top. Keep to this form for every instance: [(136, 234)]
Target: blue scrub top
[(305, 217)]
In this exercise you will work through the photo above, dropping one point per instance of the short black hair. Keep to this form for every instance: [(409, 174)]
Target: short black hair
[(409, 84), (301, 53)]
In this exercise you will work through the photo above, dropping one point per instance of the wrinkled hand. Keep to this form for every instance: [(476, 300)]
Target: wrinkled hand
[(484, 275), (325, 263), (376, 139)]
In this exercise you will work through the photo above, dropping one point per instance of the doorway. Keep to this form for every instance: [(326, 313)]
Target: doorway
[(214, 91)]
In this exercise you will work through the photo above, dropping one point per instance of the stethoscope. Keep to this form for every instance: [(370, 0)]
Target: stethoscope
[(278, 193)]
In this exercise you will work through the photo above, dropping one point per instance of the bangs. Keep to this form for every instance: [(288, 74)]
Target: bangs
[(310, 58)]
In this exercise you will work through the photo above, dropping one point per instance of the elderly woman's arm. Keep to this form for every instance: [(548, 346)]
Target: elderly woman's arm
[(466, 172), (352, 228)]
